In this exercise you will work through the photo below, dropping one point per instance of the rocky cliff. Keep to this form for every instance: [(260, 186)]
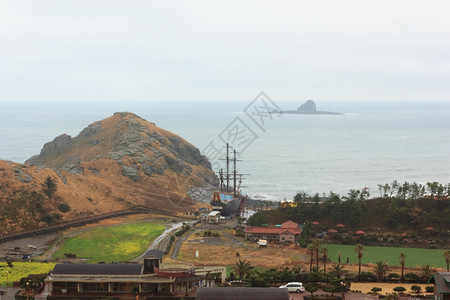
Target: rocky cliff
[(111, 165)]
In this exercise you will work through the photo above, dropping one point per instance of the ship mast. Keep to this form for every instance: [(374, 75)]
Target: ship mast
[(230, 175), (228, 169)]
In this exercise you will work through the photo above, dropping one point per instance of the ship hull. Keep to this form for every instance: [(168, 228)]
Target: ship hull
[(230, 208)]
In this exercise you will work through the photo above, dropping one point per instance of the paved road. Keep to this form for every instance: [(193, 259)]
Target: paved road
[(178, 242), (8, 293)]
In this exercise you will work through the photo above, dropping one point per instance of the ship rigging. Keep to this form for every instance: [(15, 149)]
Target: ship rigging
[(229, 200)]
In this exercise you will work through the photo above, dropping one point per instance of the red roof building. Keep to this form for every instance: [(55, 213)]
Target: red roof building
[(288, 232)]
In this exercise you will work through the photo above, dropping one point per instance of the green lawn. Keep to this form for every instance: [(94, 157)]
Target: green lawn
[(111, 244), (415, 257), (21, 269)]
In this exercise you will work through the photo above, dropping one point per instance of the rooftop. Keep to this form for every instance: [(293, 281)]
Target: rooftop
[(97, 269)]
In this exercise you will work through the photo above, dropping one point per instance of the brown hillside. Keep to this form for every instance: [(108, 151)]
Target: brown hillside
[(112, 164)]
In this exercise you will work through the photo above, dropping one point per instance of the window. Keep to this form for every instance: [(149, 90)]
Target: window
[(67, 287), (95, 287), (150, 287), (119, 287)]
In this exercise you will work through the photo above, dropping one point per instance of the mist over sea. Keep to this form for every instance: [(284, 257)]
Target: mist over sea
[(369, 144)]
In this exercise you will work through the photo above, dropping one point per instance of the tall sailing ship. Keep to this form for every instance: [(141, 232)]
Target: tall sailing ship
[(229, 200)]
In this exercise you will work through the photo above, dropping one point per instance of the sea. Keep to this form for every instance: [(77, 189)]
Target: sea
[(280, 155)]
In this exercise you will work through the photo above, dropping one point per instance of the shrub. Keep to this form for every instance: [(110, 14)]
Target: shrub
[(376, 290), (182, 231), (256, 281), (416, 288), (63, 207), (47, 219), (411, 276), (429, 289), (399, 289), (368, 276), (393, 276)]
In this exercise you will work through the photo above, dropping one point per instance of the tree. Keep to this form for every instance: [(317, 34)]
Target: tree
[(426, 271), (316, 245), (242, 268), (402, 257), (334, 288), (311, 289), (338, 270), (359, 249), (446, 255), (381, 268), (311, 256), (49, 186), (324, 253)]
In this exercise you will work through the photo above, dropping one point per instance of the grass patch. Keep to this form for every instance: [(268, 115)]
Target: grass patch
[(22, 269), (111, 244), (372, 254)]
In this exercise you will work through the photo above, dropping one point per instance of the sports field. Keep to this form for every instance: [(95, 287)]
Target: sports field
[(372, 254), (111, 244)]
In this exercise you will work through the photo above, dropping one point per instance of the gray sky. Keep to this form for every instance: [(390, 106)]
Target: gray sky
[(229, 50)]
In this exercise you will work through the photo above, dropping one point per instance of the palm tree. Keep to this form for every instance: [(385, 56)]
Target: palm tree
[(338, 270), (381, 269), (316, 244), (324, 253), (426, 271), (242, 267), (359, 249), (447, 258), (311, 254), (402, 257)]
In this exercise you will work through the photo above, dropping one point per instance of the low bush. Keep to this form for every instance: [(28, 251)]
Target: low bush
[(182, 230), (416, 288), (376, 290), (63, 207), (399, 289)]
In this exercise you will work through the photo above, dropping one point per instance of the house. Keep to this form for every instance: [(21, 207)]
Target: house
[(288, 232), (214, 217), (121, 281), (441, 282)]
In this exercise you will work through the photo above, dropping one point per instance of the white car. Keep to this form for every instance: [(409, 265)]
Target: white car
[(294, 287)]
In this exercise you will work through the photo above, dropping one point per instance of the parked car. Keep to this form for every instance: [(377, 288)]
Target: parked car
[(294, 287)]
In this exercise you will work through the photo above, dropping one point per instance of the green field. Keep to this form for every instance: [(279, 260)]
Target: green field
[(21, 269), (372, 254), (111, 244)]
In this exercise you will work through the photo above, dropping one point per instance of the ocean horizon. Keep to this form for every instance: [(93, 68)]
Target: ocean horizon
[(370, 143)]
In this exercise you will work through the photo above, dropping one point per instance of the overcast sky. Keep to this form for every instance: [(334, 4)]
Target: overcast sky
[(358, 50)]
